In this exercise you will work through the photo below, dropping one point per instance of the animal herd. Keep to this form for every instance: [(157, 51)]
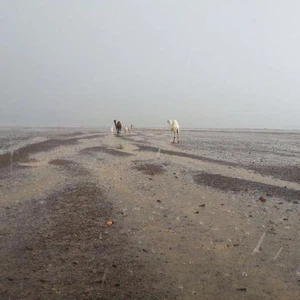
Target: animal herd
[(173, 125)]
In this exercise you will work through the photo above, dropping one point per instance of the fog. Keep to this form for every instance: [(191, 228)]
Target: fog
[(208, 64)]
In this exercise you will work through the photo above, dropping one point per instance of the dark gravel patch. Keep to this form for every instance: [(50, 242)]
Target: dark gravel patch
[(60, 248), (104, 149), (5, 160), (71, 134), (225, 183), (288, 173), (62, 162), (22, 154), (183, 154), (17, 170), (90, 137), (70, 165), (150, 169)]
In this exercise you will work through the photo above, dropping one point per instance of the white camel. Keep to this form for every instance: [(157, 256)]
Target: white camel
[(128, 130), (174, 127)]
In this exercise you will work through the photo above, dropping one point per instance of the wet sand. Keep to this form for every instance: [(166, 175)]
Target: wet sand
[(88, 215)]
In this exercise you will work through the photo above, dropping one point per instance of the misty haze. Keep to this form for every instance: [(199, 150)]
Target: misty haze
[(149, 149), (218, 64)]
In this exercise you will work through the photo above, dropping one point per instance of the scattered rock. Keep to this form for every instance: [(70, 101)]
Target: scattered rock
[(159, 201), (197, 212), (262, 198), (109, 222), (202, 205), (241, 289), (272, 230)]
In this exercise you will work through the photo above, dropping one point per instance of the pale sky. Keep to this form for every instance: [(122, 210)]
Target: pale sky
[(229, 64)]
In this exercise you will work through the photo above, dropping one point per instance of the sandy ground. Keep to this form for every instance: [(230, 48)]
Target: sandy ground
[(88, 215)]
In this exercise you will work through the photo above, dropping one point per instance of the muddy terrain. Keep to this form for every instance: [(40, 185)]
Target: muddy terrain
[(88, 215)]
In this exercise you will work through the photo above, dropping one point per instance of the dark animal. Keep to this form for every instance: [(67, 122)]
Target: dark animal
[(118, 126)]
